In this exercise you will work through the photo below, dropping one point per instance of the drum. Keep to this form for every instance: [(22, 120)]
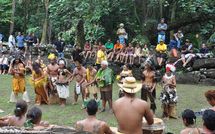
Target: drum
[(156, 128)]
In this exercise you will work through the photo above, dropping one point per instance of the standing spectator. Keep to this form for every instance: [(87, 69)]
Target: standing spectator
[(59, 44), (20, 41), (11, 42), (122, 34), (29, 40), (162, 27), (109, 46), (101, 55), (104, 79), (161, 49)]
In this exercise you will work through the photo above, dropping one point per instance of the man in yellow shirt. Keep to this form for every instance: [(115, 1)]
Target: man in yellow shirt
[(101, 56), (161, 49)]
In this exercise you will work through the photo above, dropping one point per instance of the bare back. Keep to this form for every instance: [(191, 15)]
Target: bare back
[(129, 113), (93, 125), (191, 131)]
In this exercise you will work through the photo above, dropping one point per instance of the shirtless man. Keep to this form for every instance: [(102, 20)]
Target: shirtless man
[(79, 73), (91, 124), (52, 71), (129, 110), (149, 85)]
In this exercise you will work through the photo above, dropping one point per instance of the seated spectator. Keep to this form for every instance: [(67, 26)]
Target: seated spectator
[(94, 51), (121, 55), (145, 51), (173, 47), (137, 52), (3, 64), (18, 119), (91, 124), (117, 50), (209, 121), (100, 56), (161, 50), (126, 72), (203, 52), (178, 37), (129, 54), (109, 46), (187, 53), (87, 50), (34, 117), (210, 96), (189, 120)]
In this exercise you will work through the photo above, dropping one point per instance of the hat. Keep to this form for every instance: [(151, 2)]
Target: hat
[(171, 67), (161, 40), (104, 62), (121, 25), (51, 56), (130, 85)]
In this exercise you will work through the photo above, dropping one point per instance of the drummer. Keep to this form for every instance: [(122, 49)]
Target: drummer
[(131, 123)]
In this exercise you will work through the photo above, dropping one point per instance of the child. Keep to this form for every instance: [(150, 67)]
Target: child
[(39, 81), (18, 119), (63, 82), (34, 117)]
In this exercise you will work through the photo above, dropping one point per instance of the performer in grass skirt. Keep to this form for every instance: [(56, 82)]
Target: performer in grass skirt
[(168, 95), (62, 83)]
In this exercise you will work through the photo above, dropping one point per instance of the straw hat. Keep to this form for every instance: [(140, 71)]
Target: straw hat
[(130, 85)]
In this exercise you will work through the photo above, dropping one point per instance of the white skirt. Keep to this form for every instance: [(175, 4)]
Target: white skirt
[(63, 91)]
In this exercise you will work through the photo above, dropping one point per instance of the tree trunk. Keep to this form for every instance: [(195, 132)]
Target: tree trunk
[(172, 19), (80, 36), (161, 8), (12, 16), (45, 24)]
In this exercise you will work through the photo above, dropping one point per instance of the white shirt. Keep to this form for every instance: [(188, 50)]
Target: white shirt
[(11, 41), (5, 61)]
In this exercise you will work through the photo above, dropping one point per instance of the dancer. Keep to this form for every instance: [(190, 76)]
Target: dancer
[(63, 82), (39, 81), (92, 88), (168, 96), (79, 73), (149, 85), (52, 71), (17, 69)]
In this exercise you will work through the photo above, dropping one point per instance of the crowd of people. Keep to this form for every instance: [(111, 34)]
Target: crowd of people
[(51, 82)]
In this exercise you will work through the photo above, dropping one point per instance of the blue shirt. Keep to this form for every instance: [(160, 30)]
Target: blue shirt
[(20, 41)]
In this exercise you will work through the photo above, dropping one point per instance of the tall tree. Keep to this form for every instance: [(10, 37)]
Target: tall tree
[(12, 16), (45, 24)]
